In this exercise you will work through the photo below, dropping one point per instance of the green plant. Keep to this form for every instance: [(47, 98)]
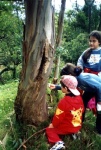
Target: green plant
[(13, 134)]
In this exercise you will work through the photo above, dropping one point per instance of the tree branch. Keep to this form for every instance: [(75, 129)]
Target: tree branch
[(31, 137)]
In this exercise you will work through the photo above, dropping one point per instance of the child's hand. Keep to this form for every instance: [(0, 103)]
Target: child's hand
[(51, 86), (51, 126)]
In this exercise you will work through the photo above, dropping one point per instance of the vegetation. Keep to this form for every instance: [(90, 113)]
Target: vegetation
[(10, 40), (13, 134)]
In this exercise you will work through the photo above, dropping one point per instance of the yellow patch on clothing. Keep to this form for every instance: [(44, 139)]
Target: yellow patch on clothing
[(58, 111), (76, 121)]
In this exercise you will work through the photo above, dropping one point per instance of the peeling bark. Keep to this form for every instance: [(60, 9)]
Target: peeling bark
[(38, 52)]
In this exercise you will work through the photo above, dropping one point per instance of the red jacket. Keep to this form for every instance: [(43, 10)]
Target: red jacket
[(68, 116)]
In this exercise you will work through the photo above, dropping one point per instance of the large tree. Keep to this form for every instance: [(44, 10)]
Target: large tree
[(38, 52)]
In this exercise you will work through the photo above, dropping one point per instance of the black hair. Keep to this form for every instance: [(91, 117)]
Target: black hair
[(71, 69), (86, 55), (64, 71), (77, 71), (97, 35)]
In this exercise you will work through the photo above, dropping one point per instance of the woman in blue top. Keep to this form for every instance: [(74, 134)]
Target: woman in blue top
[(90, 84), (90, 59)]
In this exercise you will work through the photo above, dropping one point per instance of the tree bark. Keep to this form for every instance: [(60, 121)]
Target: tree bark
[(38, 51)]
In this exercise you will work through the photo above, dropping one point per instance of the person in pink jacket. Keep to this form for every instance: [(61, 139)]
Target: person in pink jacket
[(68, 116)]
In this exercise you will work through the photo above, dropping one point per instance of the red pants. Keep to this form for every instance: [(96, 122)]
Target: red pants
[(53, 135)]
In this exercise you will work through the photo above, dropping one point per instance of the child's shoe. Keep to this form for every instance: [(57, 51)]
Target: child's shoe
[(58, 146)]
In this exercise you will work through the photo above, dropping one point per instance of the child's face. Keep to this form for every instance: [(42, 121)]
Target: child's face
[(93, 42)]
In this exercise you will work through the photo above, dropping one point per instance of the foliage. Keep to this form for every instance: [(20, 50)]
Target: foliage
[(81, 21), (10, 38), (5, 6), (74, 48), (95, 17), (77, 21)]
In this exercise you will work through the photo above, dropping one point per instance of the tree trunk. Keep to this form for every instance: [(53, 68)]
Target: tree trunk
[(99, 25), (59, 38), (57, 65), (38, 52)]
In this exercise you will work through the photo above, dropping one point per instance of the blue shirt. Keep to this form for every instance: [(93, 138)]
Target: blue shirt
[(93, 62)]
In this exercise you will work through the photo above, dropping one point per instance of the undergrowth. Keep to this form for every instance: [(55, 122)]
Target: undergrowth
[(15, 136)]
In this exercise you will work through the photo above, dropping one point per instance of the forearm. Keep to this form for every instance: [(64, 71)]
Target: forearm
[(57, 87), (80, 62), (54, 87)]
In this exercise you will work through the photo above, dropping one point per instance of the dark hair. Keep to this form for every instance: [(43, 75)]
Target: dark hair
[(77, 71), (71, 69), (97, 35), (86, 55), (64, 71)]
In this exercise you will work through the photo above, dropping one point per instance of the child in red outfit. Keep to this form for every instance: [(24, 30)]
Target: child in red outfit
[(68, 115)]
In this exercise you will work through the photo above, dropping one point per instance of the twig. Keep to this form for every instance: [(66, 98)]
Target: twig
[(12, 127), (2, 145), (30, 138), (90, 144)]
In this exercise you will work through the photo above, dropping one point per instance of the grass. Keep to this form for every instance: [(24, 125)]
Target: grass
[(12, 134), (7, 96)]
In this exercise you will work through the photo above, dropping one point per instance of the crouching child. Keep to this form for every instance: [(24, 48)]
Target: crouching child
[(68, 116)]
